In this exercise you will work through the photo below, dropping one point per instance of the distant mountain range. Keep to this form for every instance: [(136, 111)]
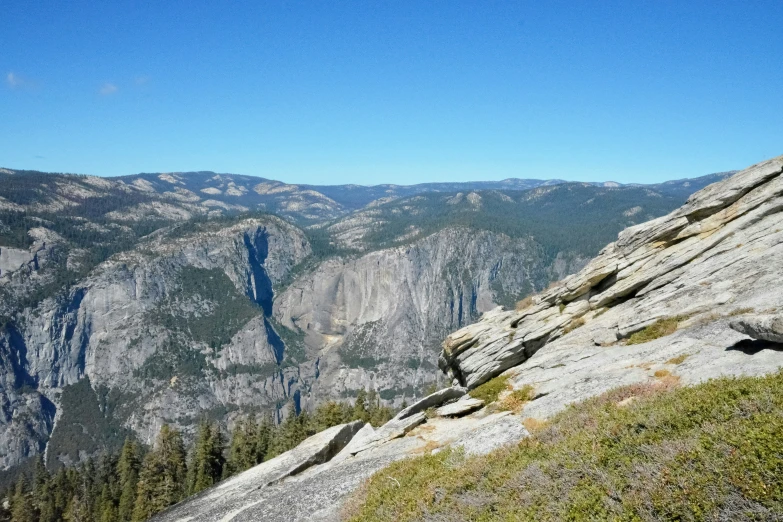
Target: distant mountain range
[(194, 193)]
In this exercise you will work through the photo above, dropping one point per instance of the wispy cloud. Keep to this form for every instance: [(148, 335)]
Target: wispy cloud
[(14, 80), (141, 80), (107, 89)]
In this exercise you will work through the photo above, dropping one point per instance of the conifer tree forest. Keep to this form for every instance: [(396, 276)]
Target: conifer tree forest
[(139, 482)]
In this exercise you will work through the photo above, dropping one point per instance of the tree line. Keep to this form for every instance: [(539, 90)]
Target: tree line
[(138, 482)]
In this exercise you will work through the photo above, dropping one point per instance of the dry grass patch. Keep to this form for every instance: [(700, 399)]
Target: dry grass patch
[(533, 425), (573, 325), (516, 400), (678, 360), (524, 303), (707, 452)]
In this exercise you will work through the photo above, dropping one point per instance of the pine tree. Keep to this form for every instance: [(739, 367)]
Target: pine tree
[(360, 406), (217, 452), (291, 430), (207, 462), (243, 452), (106, 508), (43, 493), (373, 403), (63, 492), (329, 414), (21, 506), (264, 439), (162, 475), (128, 476)]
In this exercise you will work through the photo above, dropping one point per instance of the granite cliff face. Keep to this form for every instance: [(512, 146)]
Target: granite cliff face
[(142, 327), (672, 301), (375, 320)]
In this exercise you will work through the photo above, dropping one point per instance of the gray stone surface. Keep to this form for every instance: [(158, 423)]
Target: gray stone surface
[(764, 327), (493, 435), (221, 500), (432, 401), (393, 429), (461, 407)]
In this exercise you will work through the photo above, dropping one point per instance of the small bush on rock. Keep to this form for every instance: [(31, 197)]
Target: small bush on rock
[(659, 328), (517, 399), (489, 391)]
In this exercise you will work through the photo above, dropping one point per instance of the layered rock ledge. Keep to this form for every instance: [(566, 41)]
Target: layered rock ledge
[(731, 228)]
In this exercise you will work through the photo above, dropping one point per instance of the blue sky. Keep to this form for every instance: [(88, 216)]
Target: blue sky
[(401, 92)]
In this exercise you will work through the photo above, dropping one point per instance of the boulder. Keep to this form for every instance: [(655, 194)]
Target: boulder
[(461, 407), (229, 497), (495, 432), (763, 327), (391, 430), (431, 401)]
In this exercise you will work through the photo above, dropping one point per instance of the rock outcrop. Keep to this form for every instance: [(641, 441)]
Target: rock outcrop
[(139, 318), (765, 327), (718, 253)]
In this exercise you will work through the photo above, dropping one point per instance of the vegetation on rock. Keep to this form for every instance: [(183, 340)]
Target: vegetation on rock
[(659, 328), (707, 452), (489, 391)]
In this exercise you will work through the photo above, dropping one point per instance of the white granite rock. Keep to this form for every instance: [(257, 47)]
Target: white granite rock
[(718, 251), (765, 327)]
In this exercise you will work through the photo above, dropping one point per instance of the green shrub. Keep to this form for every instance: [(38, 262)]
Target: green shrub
[(707, 452), (489, 391), (660, 328)]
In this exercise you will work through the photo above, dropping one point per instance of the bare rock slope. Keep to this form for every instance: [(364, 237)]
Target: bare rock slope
[(718, 255), (655, 305)]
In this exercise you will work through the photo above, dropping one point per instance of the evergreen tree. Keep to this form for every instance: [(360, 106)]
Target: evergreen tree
[(207, 462), (360, 406), (107, 509), (243, 452), (373, 402), (43, 493), (291, 430), (264, 438), (330, 414), (162, 475), (21, 507), (128, 476), (63, 492)]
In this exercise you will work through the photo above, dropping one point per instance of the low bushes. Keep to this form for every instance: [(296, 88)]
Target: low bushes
[(707, 452), (489, 391)]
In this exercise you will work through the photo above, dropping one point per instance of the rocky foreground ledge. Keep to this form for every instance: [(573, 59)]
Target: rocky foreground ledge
[(673, 300)]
